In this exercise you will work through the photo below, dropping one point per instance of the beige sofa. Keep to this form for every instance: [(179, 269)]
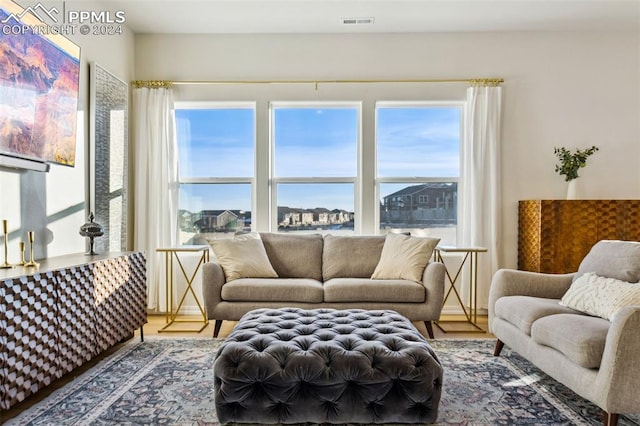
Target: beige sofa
[(316, 271), (596, 357)]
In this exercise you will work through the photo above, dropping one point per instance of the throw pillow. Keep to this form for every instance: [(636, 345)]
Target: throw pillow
[(294, 256), (243, 257), (350, 256), (404, 257), (600, 296), (613, 259)]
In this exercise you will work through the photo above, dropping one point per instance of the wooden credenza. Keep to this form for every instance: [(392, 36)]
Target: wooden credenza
[(56, 317), (555, 235)]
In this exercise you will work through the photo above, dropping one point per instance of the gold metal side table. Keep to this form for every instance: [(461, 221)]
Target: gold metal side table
[(171, 254), (470, 258)]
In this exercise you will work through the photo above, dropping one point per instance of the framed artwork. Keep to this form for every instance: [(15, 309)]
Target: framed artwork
[(108, 157), (39, 78)]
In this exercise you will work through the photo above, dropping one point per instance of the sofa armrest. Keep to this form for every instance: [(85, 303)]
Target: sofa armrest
[(433, 281), (619, 373), (511, 282), (212, 281)]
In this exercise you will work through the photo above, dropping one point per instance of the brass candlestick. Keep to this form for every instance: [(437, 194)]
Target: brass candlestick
[(22, 261), (5, 228), (31, 261)]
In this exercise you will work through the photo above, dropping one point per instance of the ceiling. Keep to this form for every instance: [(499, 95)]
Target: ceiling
[(325, 16)]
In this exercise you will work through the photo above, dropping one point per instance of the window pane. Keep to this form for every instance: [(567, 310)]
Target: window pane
[(315, 142), (215, 142), (210, 211), (418, 141), (431, 207), (315, 206)]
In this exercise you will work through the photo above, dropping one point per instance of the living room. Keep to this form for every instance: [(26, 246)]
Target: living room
[(571, 74)]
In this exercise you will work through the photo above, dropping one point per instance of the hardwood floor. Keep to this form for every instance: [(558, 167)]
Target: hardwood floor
[(156, 322), (454, 324)]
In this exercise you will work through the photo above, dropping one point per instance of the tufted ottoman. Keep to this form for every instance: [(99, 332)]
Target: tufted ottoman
[(326, 366)]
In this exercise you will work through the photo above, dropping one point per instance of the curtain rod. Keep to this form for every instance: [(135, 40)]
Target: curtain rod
[(169, 83)]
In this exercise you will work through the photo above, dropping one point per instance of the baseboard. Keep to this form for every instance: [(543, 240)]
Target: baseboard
[(457, 310)]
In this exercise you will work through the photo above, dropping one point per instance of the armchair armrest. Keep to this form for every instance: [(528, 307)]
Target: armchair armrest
[(212, 281), (433, 281), (511, 282), (619, 373)]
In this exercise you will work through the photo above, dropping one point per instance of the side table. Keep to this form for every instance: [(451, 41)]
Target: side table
[(171, 254), (470, 258)]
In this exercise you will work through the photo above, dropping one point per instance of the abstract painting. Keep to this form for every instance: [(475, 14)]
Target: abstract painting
[(39, 78)]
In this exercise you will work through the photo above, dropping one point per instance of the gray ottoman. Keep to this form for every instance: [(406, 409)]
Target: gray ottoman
[(326, 366)]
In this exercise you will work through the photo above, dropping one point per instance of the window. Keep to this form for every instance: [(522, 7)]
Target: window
[(308, 169), (418, 167), (216, 147), (315, 166)]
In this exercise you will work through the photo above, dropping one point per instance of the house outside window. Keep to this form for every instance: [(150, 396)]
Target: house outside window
[(216, 147), (418, 167)]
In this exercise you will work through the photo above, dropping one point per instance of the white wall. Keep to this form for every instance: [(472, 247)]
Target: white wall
[(53, 204), (573, 89)]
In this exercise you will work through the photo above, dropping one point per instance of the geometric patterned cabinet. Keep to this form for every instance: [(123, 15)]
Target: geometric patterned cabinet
[(555, 235), (55, 318)]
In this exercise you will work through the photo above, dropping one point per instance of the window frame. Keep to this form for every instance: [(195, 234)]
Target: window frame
[(414, 180), (366, 183), (356, 180), (222, 180)]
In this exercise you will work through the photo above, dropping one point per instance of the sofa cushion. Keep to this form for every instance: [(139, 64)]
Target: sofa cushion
[(367, 290), (243, 257), (294, 256), (404, 257), (523, 311), (613, 259), (273, 290), (600, 296), (580, 338), (350, 256)]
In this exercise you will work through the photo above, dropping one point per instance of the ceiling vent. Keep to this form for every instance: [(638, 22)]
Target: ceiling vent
[(358, 21)]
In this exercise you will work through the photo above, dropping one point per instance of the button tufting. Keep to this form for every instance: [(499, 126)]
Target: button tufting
[(285, 336), (286, 325), (326, 366), (305, 331), (259, 345), (304, 344), (368, 336)]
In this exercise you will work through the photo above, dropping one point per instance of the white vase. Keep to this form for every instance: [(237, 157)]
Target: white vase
[(572, 190)]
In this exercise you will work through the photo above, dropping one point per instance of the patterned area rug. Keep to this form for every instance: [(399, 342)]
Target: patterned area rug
[(170, 381)]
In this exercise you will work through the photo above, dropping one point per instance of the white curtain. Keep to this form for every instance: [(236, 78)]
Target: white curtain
[(480, 186), (156, 185)]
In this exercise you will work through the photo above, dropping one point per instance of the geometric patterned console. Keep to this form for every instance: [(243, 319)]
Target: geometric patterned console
[(555, 235), (56, 317)]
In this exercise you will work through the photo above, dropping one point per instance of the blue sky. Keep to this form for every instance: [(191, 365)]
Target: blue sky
[(216, 142), (418, 142), (311, 142)]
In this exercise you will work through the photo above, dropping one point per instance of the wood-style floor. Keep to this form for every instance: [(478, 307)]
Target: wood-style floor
[(156, 322), (456, 329)]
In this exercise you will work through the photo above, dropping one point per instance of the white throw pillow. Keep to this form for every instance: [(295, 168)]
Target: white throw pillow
[(404, 257), (243, 257), (600, 296)]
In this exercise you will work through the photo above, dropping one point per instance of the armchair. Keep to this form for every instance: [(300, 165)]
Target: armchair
[(593, 356)]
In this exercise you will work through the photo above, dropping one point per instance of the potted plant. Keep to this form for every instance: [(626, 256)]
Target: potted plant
[(570, 163)]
